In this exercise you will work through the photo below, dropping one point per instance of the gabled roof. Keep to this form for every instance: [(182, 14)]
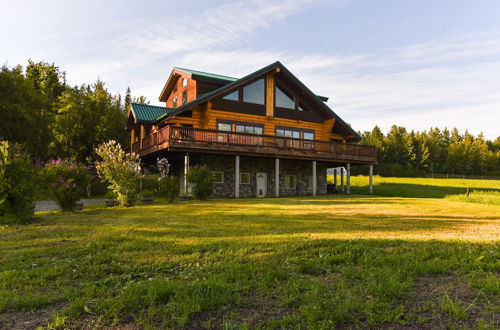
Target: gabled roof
[(236, 83), (145, 113), (202, 74)]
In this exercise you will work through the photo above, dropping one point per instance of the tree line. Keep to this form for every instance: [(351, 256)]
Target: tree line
[(51, 119), (413, 153)]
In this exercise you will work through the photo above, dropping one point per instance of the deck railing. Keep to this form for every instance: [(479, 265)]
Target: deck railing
[(171, 136)]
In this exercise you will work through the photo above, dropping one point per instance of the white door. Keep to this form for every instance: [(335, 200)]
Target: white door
[(261, 184)]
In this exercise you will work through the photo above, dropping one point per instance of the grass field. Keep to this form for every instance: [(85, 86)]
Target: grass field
[(331, 261)]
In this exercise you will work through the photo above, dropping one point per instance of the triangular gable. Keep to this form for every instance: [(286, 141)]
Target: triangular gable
[(229, 87)]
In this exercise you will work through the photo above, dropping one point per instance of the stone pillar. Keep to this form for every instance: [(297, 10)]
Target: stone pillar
[(186, 169), (314, 179), (237, 177), (371, 179), (348, 178), (342, 179), (277, 178)]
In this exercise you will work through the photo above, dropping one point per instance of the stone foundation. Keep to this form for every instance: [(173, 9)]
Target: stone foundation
[(301, 169)]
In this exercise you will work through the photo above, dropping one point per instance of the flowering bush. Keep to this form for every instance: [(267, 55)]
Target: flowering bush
[(168, 186), (17, 184), (121, 170), (201, 179), (66, 182)]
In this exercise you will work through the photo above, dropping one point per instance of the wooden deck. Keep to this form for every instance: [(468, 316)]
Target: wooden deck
[(185, 139)]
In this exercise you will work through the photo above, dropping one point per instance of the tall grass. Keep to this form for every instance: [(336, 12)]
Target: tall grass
[(483, 197)]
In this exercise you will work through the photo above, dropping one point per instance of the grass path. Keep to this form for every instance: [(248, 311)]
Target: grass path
[(323, 262)]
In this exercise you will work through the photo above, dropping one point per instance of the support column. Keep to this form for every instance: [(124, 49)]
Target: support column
[(348, 178), (371, 179), (342, 179), (186, 169), (237, 177), (314, 178), (277, 178)]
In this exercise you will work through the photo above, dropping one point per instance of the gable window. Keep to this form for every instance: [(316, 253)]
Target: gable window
[(184, 82), (174, 102), (283, 100), (184, 97), (254, 93), (218, 177), (234, 96), (244, 178), (290, 181)]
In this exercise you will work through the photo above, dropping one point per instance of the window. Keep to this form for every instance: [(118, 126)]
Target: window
[(234, 96), (250, 129), (308, 136), (174, 102), (218, 177), (244, 178), (254, 93), (184, 97), (283, 100), (224, 127), (184, 82), (290, 181), (295, 133)]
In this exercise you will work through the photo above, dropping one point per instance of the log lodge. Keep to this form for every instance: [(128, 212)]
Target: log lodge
[(262, 135)]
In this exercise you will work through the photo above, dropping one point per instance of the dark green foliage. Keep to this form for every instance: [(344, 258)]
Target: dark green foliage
[(168, 187), (17, 184), (201, 180), (65, 182), (402, 153)]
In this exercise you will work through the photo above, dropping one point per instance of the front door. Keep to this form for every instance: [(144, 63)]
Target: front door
[(261, 184)]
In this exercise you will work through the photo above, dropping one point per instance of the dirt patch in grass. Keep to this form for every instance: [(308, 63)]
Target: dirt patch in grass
[(252, 312), (28, 319), (448, 301)]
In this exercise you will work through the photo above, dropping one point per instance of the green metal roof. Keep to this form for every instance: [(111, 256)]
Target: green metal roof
[(148, 113), (207, 74)]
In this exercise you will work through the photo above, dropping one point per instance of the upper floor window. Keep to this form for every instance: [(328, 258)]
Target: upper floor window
[(184, 97), (248, 128), (224, 127), (283, 100), (184, 82), (174, 102), (234, 96), (295, 133), (254, 93)]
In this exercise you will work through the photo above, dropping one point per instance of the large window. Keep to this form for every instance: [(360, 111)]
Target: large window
[(240, 127), (283, 100), (234, 96), (248, 128), (295, 133), (254, 93)]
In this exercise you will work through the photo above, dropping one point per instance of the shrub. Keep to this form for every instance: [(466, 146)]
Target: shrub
[(146, 193), (17, 184), (168, 186), (66, 182), (201, 180), (121, 170)]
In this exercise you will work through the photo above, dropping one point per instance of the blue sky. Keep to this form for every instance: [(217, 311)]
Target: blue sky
[(412, 63)]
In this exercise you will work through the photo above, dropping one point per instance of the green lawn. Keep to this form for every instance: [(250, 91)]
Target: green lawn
[(330, 261)]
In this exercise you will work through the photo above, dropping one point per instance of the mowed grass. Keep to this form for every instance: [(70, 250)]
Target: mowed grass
[(325, 262)]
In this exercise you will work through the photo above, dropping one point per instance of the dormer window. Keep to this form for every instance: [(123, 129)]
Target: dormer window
[(174, 102), (184, 97), (184, 82)]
